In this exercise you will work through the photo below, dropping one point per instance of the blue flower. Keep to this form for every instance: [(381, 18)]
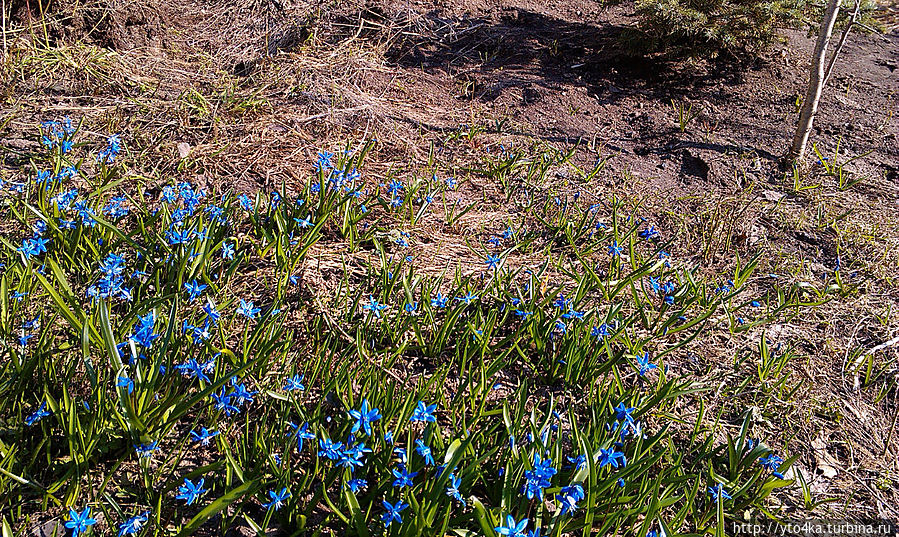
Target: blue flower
[(355, 485), (134, 524), (611, 457), (294, 383), (424, 451), (145, 451), (468, 298), (539, 478), (569, 496), (190, 492), (615, 250), (453, 490), (649, 233), (374, 306), (330, 450), (512, 528), (424, 413), (37, 415), (772, 462), (144, 334), (192, 368), (79, 522), (247, 310), (439, 301), (719, 493), (277, 499), (204, 436), (623, 412), (578, 462), (393, 512), (403, 477), (33, 247), (493, 261), (125, 382), (645, 365), (364, 418), (227, 251), (194, 289), (301, 433)]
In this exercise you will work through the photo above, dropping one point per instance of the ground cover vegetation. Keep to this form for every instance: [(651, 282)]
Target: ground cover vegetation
[(485, 331)]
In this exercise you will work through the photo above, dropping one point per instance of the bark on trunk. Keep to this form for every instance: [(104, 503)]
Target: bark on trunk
[(815, 83)]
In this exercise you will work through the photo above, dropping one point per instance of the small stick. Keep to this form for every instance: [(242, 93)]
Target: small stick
[(839, 47)]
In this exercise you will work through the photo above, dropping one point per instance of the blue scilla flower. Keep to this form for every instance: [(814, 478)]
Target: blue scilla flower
[(601, 332), (403, 476), (247, 309), (294, 383), (37, 415), (453, 489), (719, 493), (772, 462), (410, 307), (127, 383), (146, 450), (392, 513), (569, 496), (190, 492), (644, 364), (424, 413), (323, 161), (194, 289), (538, 478), (578, 462), (355, 485), (223, 402), (439, 301), (468, 298), (277, 499), (364, 417), (493, 261), (301, 432), (512, 528), (304, 222), (194, 369), (649, 233), (80, 522), (212, 314), (240, 394), (623, 412), (394, 188), (330, 450), (615, 250), (33, 247), (373, 306), (424, 451), (610, 457), (204, 436), (134, 525), (227, 250), (144, 334)]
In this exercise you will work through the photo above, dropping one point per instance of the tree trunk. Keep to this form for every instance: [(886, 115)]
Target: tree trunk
[(815, 83)]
